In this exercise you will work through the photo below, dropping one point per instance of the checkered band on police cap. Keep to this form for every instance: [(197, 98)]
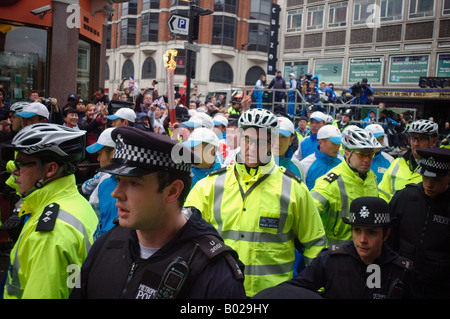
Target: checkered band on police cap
[(368, 212), (432, 163), (145, 158)]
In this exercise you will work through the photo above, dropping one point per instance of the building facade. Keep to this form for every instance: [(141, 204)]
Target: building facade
[(392, 43), (232, 44), (52, 46)]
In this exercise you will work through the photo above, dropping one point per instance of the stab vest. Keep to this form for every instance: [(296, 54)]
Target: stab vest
[(349, 277), (116, 273)]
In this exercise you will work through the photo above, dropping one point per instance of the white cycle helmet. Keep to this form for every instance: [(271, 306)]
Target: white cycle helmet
[(358, 138), (259, 118), (48, 139), (424, 127), (18, 106)]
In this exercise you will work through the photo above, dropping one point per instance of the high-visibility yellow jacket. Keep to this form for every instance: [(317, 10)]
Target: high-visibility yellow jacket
[(333, 193), (40, 260), (261, 227), (396, 177)]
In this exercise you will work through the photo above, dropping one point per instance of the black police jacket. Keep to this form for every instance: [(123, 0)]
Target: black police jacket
[(114, 269), (343, 275), (421, 232)]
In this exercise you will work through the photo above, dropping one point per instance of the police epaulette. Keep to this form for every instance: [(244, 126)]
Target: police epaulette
[(212, 247), (403, 262), (218, 171), (337, 249), (331, 177), (291, 174), (48, 218)]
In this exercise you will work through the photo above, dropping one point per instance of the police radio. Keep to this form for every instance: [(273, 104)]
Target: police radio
[(174, 277)]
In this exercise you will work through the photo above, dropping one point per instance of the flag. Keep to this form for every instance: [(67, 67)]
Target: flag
[(133, 86)]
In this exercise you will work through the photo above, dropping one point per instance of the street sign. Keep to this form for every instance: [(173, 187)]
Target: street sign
[(179, 25), (191, 46)]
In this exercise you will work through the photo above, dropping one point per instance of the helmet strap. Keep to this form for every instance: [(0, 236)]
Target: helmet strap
[(42, 182)]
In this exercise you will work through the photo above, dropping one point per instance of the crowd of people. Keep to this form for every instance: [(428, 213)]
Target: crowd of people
[(222, 201)]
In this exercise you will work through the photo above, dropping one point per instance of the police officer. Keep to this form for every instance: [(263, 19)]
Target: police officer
[(60, 226), (259, 208), (422, 230), (364, 268), (157, 250), (352, 178), (403, 170)]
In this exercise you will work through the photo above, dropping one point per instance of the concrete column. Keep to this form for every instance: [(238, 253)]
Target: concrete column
[(63, 55)]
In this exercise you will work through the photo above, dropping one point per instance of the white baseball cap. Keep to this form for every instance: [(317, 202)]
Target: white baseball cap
[(104, 139), (219, 119), (376, 129), (331, 132), (34, 109), (319, 116), (202, 135), (199, 120), (124, 113), (286, 127)]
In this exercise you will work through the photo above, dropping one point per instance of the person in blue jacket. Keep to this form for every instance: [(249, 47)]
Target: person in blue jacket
[(282, 147), (325, 157), (204, 143), (363, 93), (381, 160), (309, 144), (371, 118)]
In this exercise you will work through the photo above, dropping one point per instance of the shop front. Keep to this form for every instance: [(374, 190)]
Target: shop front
[(52, 46)]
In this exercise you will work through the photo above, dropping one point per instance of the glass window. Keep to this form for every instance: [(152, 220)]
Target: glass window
[(179, 3), (446, 7), (258, 37), (129, 7), (83, 68), (391, 10), (108, 36), (315, 18), (253, 75), (224, 29), (150, 4), (337, 16), (23, 61), (149, 68), (294, 20), (260, 10), (230, 6), (106, 71), (127, 69), (421, 8), (149, 27), (128, 31), (221, 72), (363, 11)]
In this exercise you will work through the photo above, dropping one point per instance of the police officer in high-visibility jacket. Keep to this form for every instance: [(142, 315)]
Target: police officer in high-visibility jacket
[(58, 233), (260, 208), (403, 170), (352, 178)]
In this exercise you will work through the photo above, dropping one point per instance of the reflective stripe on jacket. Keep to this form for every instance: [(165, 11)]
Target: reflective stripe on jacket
[(397, 176), (40, 260), (261, 227), (333, 194)]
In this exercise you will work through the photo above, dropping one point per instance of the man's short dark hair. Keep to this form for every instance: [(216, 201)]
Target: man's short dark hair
[(166, 178)]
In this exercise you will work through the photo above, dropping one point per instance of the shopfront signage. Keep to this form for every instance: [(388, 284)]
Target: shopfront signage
[(369, 68)]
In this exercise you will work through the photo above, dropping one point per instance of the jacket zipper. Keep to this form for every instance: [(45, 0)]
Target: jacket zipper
[(129, 277)]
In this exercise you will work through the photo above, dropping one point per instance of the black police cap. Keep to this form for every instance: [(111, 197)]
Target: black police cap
[(368, 212), (434, 162), (138, 153)]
